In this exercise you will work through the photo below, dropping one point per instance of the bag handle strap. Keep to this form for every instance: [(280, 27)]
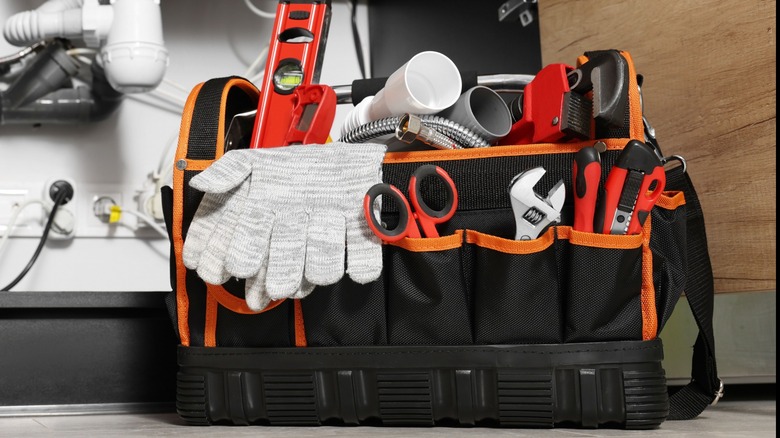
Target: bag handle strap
[(705, 388), (207, 113)]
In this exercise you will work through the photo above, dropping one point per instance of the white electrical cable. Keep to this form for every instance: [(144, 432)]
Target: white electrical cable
[(14, 216), (259, 12), (259, 62), (149, 221), (176, 85)]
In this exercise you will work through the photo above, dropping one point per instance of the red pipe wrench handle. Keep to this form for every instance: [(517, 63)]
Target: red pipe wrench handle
[(586, 176)]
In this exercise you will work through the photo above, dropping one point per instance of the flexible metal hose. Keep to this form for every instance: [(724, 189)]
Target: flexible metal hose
[(461, 134)]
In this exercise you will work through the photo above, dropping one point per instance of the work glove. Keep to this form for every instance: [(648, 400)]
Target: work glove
[(291, 215)]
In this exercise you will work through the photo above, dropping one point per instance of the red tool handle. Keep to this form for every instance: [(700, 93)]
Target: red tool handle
[(587, 173), (427, 216), (423, 214), (407, 225), (632, 188), (647, 198)]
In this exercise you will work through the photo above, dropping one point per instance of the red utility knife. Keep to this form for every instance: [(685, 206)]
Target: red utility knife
[(633, 186)]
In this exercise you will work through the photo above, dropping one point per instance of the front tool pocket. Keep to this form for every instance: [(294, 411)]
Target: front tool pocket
[(345, 314), (517, 298), (427, 300), (668, 243), (604, 287)]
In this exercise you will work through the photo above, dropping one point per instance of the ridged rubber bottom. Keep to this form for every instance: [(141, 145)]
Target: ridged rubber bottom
[(612, 384)]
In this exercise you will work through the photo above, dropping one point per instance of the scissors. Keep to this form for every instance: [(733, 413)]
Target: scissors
[(423, 217)]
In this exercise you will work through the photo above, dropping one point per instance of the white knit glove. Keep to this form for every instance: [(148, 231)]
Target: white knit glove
[(283, 218)]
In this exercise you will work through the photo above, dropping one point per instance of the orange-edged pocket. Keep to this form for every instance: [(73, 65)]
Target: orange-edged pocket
[(604, 287), (517, 298), (668, 249), (427, 297)]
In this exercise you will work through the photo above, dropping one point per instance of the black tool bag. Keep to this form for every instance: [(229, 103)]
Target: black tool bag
[(471, 328)]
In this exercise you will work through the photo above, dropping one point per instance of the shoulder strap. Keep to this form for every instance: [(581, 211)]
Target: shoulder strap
[(705, 387)]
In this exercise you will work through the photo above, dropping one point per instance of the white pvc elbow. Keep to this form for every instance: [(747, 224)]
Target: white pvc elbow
[(133, 53)]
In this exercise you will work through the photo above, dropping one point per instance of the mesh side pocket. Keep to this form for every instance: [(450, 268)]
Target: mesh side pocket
[(346, 314), (670, 258), (517, 298), (427, 300), (603, 296)]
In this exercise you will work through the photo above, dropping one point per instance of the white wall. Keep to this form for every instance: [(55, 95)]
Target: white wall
[(205, 39)]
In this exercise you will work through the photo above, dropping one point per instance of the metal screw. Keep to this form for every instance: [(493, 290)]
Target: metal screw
[(181, 164), (555, 121)]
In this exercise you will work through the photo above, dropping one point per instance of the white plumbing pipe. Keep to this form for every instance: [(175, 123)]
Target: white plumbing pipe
[(134, 55), (428, 83), (128, 32), (55, 18)]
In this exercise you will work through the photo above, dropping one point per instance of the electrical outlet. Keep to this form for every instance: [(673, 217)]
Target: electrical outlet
[(94, 224), (79, 211), (64, 225), (13, 194)]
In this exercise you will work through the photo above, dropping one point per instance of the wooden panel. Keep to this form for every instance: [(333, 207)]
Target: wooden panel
[(710, 93)]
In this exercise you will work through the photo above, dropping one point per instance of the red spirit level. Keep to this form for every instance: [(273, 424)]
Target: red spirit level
[(294, 58)]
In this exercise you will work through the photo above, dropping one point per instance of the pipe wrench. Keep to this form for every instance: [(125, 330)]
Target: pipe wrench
[(633, 185), (557, 104), (532, 212)]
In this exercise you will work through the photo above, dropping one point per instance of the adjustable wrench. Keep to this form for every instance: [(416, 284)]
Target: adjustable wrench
[(532, 212)]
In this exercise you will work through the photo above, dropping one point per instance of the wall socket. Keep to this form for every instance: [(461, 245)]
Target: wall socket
[(64, 225), (32, 220)]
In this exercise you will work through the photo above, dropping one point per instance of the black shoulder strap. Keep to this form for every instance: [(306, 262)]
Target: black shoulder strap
[(705, 386)]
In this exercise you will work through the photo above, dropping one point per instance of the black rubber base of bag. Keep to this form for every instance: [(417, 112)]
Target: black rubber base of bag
[(605, 384)]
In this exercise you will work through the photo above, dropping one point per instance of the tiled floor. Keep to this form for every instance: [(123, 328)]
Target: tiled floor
[(750, 413)]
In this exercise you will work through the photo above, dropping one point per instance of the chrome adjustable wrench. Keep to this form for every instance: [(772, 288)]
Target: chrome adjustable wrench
[(532, 212)]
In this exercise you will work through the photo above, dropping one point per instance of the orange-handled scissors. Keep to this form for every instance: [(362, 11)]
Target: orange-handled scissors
[(412, 218)]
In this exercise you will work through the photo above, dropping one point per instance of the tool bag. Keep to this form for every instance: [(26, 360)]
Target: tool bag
[(471, 328)]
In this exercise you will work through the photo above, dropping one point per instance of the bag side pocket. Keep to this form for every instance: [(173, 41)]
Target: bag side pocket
[(604, 287), (670, 257), (427, 300), (517, 298)]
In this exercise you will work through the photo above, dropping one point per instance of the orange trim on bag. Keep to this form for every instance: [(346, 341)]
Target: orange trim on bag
[(234, 82), (210, 329), (596, 240), (498, 151), (182, 301), (649, 315), (430, 243), (671, 200), (300, 329), (234, 303), (510, 246)]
